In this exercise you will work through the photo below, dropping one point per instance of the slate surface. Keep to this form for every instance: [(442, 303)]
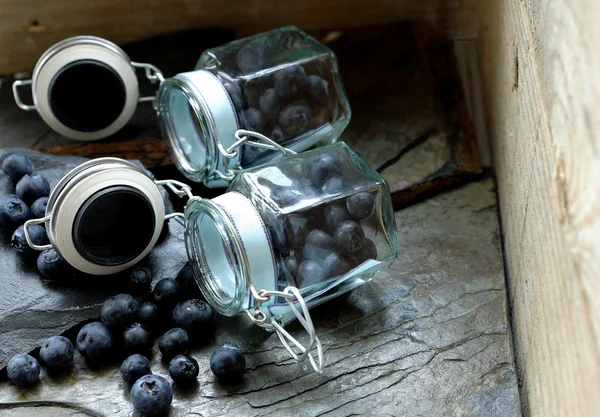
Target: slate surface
[(427, 337)]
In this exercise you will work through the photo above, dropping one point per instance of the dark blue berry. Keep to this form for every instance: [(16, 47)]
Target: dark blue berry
[(57, 353), (309, 273), (140, 281), (119, 311), (148, 314), (278, 238), (134, 367), (95, 342), (187, 282), (295, 120), (174, 342), (166, 293), (13, 212), (290, 82), (323, 168), (361, 205), (252, 57), (137, 339), (16, 166), (31, 187), (368, 251), (254, 89), (317, 89), (184, 370), (298, 230), (38, 208), (349, 236), (23, 370), (270, 104), (152, 395), (254, 120), (37, 234), (334, 215), (319, 245), (336, 264), (291, 265), (228, 363), (194, 316), (333, 185), (52, 266)]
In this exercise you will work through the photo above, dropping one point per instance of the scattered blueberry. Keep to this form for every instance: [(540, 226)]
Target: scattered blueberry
[(309, 273), (295, 119), (140, 281), (57, 353), (349, 236), (368, 251), (334, 215), (194, 316), (291, 264), (323, 168), (23, 370), (361, 205), (333, 185), (37, 234), (16, 166), (31, 187), (95, 342), (148, 314), (187, 282), (119, 311), (252, 57), (319, 245), (137, 339), (290, 82), (152, 395), (174, 342), (13, 212), (270, 104), (228, 363), (38, 208), (52, 266), (254, 120), (336, 264), (135, 367), (166, 292), (317, 89), (184, 370)]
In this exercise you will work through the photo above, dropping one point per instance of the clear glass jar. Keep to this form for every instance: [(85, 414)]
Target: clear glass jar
[(282, 84), (320, 221)]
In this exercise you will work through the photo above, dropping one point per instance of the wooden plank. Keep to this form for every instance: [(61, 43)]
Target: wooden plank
[(541, 63), (28, 27)]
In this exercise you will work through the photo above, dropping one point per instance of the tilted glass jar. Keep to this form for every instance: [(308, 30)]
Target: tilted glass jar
[(282, 84), (292, 234)]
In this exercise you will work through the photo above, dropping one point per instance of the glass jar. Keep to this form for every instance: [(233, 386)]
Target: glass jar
[(292, 234), (282, 84)]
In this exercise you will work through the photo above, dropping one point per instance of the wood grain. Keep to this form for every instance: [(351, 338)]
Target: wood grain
[(542, 69), (29, 27)]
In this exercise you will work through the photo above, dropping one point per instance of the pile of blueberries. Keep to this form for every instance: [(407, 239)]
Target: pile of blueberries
[(128, 328)]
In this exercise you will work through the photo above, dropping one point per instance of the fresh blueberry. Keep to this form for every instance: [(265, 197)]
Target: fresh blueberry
[(349, 236), (334, 215), (323, 168), (37, 234), (285, 196), (254, 120), (319, 245), (291, 265), (140, 281), (194, 316), (279, 238), (23, 370), (38, 208), (119, 311), (254, 89), (31, 187), (295, 119), (317, 89), (95, 342), (235, 94), (184, 370), (57, 353), (336, 264), (137, 339), (290, 82), (228, 363), (187, 282), (361, 205), (277, 135), (13, 212), (166, 292), (16, 166), (52, 266), (270, 104), (252, 57), (298, 230), (174, 342), (134, 367), (152, 395), (333, 185), (148, 314), (309, 273), (368, 251)]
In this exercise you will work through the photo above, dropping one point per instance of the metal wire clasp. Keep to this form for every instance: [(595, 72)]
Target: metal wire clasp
[(153, 74), (181, 190)]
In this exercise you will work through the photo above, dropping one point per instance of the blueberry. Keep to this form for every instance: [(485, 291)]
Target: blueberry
[(323, 168), (349, 236), (270, 104), (137, 339), (52, 266), (254, 89), (152, 395), (228, 363), (166, 292), (187, 282), (290, 82), (95, 342), (291, 265), (309, 273), (148, 314), (16, 166), (31, 187), (174, 342), (235, 94), (285, 196), (295, 119), (119, 311), (37, 234), (317, 89), (254, 120), (194, 316), (140, 281), (334, 215), (23, 370), (278, 238), (298, 230), (252, 57), (13, 212), (57, 353), (319, 245), (184, 370), (134, 367), (336, 264), (38, 208), (333, 185), (368, 251), (361, 205)]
